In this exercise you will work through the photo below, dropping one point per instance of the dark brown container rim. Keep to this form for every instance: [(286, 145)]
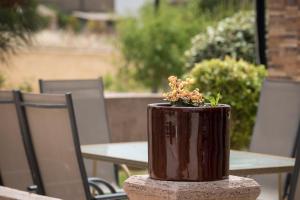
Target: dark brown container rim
[(204, 107)]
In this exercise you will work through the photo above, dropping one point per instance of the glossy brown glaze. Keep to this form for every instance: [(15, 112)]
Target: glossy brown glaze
[(188, 143)]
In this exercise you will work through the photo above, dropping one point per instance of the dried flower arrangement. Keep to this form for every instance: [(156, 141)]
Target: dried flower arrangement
[(180, 94)]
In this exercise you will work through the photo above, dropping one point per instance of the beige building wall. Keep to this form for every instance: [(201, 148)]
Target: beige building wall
[(283, 39)]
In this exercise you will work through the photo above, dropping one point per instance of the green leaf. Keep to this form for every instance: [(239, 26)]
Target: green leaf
[(214, 101)]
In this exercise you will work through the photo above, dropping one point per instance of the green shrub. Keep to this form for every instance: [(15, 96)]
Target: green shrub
[(44, 22), (2, 80), (233, 36), (74, 24), (154, 43), (94, 26), (239, 82), (62, 19), (67, 21), (25, 86), (122, 82)]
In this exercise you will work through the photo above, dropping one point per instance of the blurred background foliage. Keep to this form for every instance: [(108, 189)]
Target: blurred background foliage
[(153, 44), (239, 83), (67, 21), (17, 22), (25, 86), (233, 36), (2, 79)]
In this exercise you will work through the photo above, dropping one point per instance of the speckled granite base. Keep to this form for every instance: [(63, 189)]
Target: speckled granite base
[(235, 188)]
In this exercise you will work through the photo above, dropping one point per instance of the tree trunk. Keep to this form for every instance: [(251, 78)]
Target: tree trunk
[(156, 5)]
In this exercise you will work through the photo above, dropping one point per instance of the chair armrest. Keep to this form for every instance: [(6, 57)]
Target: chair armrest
[(116, 196), (32, 188), (103, 182), (96, 187)]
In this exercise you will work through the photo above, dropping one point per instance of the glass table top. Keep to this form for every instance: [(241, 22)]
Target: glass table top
[(136, 154)]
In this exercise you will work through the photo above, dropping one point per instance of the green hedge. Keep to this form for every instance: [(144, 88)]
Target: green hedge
[(233, 36), (239, 82)]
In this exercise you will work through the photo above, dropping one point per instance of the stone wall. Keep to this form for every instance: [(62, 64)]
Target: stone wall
[(82, 5), (283, 39)]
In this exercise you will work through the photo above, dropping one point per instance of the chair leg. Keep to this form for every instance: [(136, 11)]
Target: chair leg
[(279, 186), (126, 169), (94, 169), (94, 173)]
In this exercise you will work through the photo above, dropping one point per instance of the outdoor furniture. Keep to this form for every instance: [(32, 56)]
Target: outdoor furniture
[(91, 118), (15, 170), (53, 132), (276, 128), (294, 189), (135, 154)]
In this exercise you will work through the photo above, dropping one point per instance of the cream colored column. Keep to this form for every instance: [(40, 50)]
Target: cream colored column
[(234, 188)]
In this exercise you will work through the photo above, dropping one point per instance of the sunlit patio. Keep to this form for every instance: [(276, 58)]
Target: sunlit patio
[(149, 100)]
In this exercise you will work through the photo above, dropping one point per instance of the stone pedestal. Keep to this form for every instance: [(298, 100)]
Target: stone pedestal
[(234, 188)]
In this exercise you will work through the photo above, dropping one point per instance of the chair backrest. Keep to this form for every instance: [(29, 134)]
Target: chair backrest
[(277, 118), (53, 132), (14, 166), (277, 121), (89, 107), (91, 116), (294, 193)]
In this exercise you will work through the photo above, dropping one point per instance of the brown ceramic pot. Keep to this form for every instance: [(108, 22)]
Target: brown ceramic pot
[(188, 143)]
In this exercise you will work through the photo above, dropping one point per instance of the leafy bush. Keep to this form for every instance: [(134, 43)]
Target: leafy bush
[(67, 21), (44, 22), (25, 86), (95, 26), (2, 79), (17, 22), (122, 82), (234, 36), (239, 82), (155, 42)]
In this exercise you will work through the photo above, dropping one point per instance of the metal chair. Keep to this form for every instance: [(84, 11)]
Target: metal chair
[(53, 131), (91, 118), (17, 165), (294, 188), (275, 129)]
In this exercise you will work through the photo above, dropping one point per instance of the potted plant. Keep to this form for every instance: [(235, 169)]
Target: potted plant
[(188, 139)]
